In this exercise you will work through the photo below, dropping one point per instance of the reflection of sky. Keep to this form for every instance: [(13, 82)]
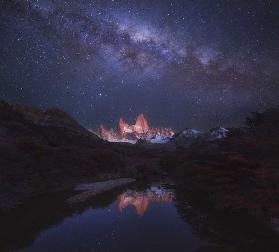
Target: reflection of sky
[(109, 229)]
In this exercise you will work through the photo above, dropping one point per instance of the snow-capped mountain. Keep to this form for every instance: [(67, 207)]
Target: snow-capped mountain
[(159, 139), (186, 137), (218, 132), (140, 131), (188, 133), (189, 136)]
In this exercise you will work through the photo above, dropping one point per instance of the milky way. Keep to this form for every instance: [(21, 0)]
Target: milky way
[(182, 63)]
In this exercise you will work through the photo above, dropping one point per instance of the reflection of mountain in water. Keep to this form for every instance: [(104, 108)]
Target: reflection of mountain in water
[(141, 200)]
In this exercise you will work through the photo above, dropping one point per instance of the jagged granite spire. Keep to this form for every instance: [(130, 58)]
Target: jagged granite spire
[(141, 125)]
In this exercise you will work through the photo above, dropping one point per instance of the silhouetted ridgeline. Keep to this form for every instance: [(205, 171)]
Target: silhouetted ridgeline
[(48, 150)]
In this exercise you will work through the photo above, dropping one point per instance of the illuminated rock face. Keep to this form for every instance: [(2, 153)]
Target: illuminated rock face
[(124, 128), (140, 130), (106, 134), (141, 126), (141, 200)]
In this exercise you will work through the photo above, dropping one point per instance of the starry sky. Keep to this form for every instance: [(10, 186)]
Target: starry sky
[(183, 63)]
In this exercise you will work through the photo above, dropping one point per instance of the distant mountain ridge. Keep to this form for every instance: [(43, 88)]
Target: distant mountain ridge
[(189, 136), (141, 132)]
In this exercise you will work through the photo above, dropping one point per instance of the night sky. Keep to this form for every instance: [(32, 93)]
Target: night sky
[(183, 63)]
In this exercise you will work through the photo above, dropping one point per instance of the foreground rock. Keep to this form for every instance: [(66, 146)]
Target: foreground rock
[(96, 188)]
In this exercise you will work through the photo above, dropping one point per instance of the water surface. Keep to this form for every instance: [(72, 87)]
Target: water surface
[(152, 217)]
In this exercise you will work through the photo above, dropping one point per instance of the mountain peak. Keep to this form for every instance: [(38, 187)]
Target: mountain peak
[(141, 125), (131, 133)]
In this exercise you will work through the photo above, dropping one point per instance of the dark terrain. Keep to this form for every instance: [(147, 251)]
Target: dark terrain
[(239, 172), (43, 151)]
